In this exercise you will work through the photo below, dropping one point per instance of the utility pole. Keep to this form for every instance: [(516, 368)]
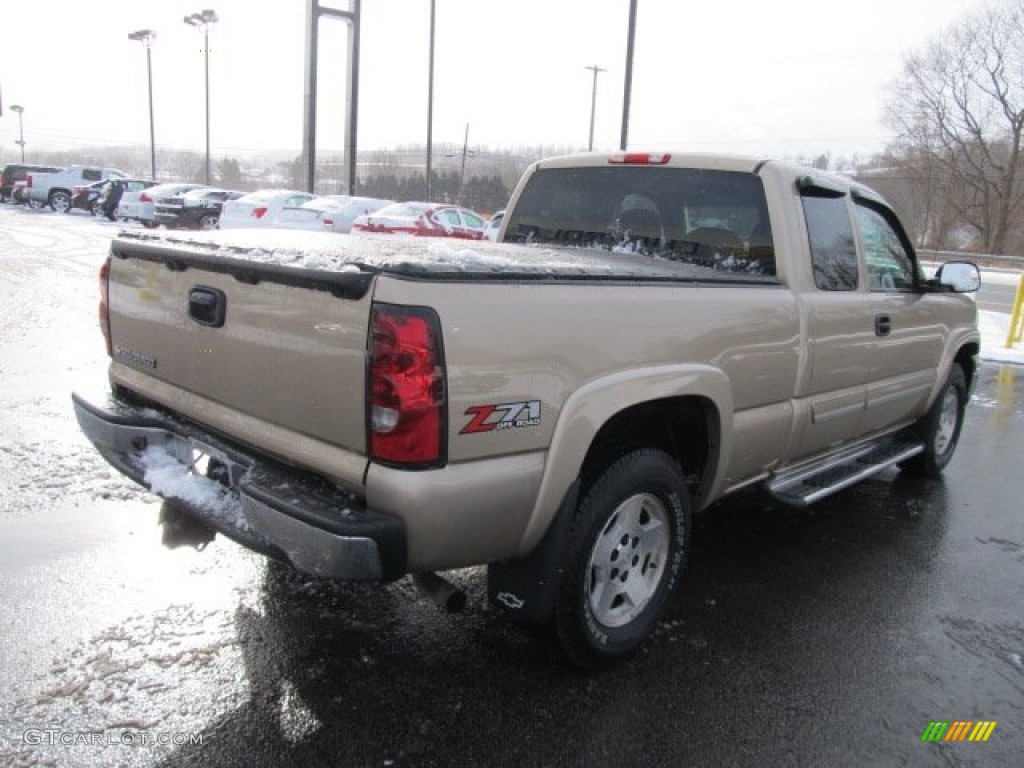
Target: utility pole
[(593, 104), (462, 175), (430, 104), (628, 88)]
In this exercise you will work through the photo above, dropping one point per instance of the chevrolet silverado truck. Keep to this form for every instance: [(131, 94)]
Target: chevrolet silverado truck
[(56, 189), (650, 334)]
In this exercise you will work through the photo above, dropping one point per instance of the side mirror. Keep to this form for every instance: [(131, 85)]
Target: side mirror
[(959, 276)]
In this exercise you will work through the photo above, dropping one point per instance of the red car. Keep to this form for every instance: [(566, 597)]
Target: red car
[(422, 220)]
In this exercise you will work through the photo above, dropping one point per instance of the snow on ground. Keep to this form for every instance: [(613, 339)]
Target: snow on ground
[(994, 327)]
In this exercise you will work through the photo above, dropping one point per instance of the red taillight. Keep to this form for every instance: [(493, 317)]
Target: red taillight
[(144, 198), (260, 212), (406, 386), (639, 158), (28, 180), (105, 305), (328, 223)]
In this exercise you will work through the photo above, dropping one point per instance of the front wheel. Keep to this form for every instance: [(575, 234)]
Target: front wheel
[(59, 201), (626, 552), (940, 427)]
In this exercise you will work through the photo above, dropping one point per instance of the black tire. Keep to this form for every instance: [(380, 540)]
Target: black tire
[(632, 529), (208, 221), (150, 224), (940, 427), (59, 201)]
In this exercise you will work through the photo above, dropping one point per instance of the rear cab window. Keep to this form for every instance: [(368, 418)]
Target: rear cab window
[(713, 220)]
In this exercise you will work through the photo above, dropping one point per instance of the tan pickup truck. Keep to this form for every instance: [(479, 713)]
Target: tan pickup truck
[(650, 333)]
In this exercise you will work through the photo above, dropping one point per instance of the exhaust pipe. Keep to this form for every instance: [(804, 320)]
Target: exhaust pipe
[(445, 595)]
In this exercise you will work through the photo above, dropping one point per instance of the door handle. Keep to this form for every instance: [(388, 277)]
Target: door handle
[(883, 325)]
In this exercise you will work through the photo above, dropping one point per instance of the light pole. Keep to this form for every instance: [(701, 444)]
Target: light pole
[(627, 89), (593, 104), (147, 37), (430, 103), (203, 21), (21, 130)]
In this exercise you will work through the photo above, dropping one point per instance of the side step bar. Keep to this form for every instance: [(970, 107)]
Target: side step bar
[(809, 483)]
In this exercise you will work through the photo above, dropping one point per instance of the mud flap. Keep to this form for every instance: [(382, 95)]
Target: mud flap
[(526, 587)]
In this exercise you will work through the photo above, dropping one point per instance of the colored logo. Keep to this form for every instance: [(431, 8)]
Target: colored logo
[(958, 730)]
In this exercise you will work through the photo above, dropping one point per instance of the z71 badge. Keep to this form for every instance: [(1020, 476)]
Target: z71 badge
[(488, 418)]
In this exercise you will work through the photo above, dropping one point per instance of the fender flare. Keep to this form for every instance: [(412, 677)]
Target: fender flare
[(589, 408)]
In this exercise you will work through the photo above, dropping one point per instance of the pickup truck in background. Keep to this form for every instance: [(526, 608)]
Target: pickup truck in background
[(652, 333), (57, 189)]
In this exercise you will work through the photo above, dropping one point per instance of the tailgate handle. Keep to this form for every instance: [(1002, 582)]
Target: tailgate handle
[(207, 306)]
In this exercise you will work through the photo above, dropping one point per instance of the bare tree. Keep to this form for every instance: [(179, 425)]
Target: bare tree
[(960, 103)]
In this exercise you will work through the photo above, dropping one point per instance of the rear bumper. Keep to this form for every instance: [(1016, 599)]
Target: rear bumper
[(259, 503)]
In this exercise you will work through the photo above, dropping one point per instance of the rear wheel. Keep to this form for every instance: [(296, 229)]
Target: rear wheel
[(208, 221), (626, 552), (940, 427), (60, 201)]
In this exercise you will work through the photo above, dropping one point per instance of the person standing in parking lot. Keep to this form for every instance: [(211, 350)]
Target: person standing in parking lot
[(113, 199)]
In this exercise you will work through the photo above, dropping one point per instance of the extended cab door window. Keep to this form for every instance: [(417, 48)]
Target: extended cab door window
[(833, 248), (890, 265)]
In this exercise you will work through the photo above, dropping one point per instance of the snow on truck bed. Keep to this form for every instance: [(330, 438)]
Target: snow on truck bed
[(331, 252)]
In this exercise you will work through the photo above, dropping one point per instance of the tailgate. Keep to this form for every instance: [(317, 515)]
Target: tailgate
[(227, 341)]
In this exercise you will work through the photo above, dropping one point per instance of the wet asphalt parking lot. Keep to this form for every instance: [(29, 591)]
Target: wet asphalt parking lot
[(832, 636)]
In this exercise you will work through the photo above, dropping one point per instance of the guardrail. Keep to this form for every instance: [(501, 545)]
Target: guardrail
[(981, 259)]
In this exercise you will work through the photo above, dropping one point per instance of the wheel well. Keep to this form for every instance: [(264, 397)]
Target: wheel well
[(686, 428), (967, 358)]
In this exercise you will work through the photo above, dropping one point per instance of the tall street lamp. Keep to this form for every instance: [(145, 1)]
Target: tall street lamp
[(21, 131), (147, 37), (593, 103), (627, 89), (430, 103), (202, 22)]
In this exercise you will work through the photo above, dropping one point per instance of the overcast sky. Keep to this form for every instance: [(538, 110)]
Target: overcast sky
[(783, 78)]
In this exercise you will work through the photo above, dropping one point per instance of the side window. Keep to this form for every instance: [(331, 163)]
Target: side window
[(473, 222), (450, 218), (890, 266), (91, 174), (833, 249)]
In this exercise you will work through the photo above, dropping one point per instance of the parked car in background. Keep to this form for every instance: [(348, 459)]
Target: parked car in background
[(194, 209), (260, 208), (54, 189), (19, 194), (330, 213), (14, 173), (140, 205), (491, 230), (92, 196), (422, 220)]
